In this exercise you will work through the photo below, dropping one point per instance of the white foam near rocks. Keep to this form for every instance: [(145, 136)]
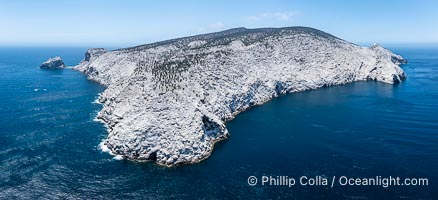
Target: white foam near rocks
[(168, 102), (105, 149)]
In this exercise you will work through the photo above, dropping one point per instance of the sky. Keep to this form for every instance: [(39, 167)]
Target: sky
[(133, 22)]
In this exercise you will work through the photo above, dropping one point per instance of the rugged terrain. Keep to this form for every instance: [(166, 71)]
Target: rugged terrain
[(169, 101)]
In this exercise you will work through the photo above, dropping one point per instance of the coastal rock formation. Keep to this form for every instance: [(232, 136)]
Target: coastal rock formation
[(53, 63), (168, 101), (90, 54)]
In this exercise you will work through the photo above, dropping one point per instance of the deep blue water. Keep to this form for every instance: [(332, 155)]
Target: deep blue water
[(49, 141)]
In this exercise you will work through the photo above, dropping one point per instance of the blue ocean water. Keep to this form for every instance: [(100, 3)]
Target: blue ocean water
[(49, 141)]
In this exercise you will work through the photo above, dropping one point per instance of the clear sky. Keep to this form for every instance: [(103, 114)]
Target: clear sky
[(130, 22)]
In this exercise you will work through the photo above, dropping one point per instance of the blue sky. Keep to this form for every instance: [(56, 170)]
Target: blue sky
[(129, 22)]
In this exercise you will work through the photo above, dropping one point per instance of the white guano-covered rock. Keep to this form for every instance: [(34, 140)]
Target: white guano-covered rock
[(169, 101)]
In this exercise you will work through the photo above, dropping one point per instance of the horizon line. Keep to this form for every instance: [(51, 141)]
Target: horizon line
[(107, 45)]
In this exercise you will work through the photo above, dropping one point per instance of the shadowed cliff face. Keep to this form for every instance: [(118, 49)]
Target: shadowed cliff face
[(169, 101)]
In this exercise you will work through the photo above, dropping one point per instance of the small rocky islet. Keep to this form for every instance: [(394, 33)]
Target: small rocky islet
[(53, 63)]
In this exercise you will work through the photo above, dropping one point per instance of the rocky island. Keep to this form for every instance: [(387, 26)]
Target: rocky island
[(169, 101), (53, 63)]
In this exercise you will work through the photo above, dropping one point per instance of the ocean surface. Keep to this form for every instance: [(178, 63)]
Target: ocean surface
[(49, 141)]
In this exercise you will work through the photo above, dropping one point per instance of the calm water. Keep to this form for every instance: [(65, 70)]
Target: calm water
[(48, 139)]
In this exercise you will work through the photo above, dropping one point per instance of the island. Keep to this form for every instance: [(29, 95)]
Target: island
[(53, 63), (169, 101)]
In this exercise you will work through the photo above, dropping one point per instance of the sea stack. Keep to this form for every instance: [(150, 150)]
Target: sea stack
[(53, 63), (169, 101)]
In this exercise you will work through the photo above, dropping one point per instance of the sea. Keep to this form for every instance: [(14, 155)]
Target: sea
[(346, 135)]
